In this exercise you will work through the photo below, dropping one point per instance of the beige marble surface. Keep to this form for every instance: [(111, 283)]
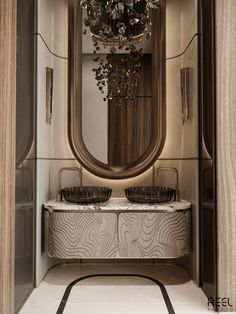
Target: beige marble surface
[(118, 204), (110, 295)]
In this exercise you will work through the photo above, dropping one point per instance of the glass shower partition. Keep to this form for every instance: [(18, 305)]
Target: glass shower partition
[(25, 152)]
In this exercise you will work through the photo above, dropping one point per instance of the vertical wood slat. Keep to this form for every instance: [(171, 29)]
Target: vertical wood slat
[(226, 149), (7, 152), (130, 125)]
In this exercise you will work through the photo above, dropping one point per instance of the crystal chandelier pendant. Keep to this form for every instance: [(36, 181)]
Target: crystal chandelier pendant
[(120, 24)]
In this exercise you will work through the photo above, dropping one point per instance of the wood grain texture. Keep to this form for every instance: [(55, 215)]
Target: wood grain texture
[(82, 235), (7, 152), (163, 235), (226, 149), (129, 130), (114, 235), (130, 125)]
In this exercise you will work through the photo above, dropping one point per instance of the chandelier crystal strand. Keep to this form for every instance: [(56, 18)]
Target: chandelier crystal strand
[(120, 24)]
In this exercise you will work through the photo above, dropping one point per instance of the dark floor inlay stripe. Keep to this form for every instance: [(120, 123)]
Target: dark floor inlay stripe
[(157, 282)]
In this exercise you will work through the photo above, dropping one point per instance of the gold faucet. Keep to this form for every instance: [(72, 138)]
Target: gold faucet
[(160, 169), (77, 169)]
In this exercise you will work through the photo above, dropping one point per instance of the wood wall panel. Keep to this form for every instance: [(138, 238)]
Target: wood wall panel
[(7, 151), (130, 125), (129, 130), (226, 149)]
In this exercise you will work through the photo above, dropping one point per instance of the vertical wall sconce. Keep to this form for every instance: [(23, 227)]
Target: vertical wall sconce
[(185, 93), (49, 94)]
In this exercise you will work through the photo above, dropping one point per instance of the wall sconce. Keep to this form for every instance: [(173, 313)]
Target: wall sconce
[(185, 93), (49, 94)]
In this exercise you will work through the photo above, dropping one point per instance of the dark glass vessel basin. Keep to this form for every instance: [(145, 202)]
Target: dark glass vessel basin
[(150, 194), (85, 194)]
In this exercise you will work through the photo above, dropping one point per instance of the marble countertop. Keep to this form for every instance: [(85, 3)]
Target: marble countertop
[(116, 205)]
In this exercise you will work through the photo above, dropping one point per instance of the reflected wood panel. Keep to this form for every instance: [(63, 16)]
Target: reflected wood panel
[(117, 134), (130, 125), (129, 130)]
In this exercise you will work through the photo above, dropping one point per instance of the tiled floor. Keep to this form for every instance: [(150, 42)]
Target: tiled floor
[(116, 295)]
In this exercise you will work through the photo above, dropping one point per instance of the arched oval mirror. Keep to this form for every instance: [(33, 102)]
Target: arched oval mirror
[(117, 117)]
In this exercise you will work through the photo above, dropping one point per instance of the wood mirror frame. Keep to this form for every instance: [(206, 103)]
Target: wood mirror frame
[(76, 141)]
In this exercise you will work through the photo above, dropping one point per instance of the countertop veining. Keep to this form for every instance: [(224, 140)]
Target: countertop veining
[(116, 205)]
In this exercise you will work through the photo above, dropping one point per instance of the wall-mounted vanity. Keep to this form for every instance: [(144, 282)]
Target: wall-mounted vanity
[(118, 229), (151, 223)]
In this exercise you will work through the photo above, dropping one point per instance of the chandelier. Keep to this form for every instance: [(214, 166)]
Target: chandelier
[(119, 25)]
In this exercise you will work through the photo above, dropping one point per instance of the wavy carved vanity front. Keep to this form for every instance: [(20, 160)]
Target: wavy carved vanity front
[(118, 229)]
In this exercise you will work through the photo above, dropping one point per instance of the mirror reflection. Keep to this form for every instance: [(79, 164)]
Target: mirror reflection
[(116, 79), (116, 114)]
